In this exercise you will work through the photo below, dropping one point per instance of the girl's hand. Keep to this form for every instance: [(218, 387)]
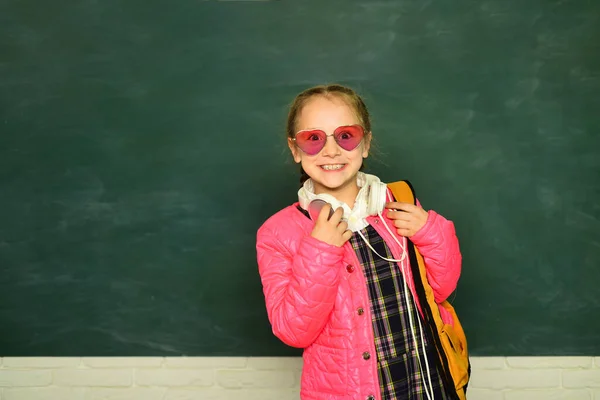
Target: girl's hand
[(333, 231), (408, 218)]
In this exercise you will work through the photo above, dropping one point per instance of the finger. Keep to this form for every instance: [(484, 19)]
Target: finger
[(343, 226), (396, 205), (337, 216), (405, 232), (324, 213), (399, 215), (346, 235), (400, 224)]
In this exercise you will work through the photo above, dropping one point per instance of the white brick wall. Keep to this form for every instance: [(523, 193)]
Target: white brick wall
[(240, 378)]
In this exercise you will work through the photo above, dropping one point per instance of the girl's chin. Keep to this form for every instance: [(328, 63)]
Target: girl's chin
[(330, 184)]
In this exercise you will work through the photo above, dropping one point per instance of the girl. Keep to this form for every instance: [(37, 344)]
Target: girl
[(337, 283)]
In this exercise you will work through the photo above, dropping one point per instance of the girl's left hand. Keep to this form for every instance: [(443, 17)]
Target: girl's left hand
[(408, 218)]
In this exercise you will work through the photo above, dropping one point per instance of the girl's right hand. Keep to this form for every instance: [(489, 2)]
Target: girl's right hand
[(333, 231)]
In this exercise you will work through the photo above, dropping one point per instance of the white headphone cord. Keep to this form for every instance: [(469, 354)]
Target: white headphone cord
[(403, 266), (429, 392)]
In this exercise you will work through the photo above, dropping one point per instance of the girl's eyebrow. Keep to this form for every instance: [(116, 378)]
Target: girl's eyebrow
[(322, 129)]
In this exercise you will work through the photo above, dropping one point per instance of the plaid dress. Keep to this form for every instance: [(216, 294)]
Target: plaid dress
[(399, 374)]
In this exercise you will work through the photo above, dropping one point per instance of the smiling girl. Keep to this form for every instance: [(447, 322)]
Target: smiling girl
[(337, 282)]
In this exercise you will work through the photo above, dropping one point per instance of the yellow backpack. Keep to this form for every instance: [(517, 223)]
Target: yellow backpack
[(450, 340)]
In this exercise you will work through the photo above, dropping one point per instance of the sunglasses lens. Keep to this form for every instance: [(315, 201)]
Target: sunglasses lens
[(349, 137), (311, 142)]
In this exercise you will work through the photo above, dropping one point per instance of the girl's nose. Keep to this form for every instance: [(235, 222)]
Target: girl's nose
[(331, 148)]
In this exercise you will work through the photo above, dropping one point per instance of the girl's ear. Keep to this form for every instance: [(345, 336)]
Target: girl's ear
[(367, 144), (294, 150)]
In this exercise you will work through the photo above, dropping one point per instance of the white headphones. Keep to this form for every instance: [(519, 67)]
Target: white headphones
[(376, 198), (370, 201), (367, 204)]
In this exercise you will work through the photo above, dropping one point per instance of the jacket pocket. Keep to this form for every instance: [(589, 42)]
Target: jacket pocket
[(325, 369)]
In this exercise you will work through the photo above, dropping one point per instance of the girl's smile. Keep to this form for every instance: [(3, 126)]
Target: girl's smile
[(333, 167)]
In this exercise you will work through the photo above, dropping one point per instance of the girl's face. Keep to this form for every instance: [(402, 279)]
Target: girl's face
[(333, 170)]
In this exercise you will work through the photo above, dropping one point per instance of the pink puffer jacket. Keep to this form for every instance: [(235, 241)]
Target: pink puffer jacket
[(316, 298)]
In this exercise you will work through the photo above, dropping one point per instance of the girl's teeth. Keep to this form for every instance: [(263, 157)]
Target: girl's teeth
[(332, 167)]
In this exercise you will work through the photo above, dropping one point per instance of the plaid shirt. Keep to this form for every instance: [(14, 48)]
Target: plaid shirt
[(399, 373)]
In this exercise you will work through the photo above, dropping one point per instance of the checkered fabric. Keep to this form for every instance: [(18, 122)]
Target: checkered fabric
[(399, 373)]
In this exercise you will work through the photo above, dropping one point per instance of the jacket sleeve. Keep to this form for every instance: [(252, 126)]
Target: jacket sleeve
[(438, 244), (299, 289)]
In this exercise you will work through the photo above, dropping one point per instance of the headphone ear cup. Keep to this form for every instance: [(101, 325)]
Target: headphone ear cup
[(377, 194), (314, 209)]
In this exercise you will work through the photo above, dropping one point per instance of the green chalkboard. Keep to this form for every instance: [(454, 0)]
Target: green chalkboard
[(142, 144)]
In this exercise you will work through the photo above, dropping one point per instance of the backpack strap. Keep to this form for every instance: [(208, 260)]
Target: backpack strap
[(404, 192)]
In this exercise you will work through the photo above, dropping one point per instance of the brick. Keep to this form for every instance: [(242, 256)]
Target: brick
[(582, 378), (175, 377), (270, 394), (478, 363), (548, 395), (41, 362), (44, 394), (275, 363), (484, 394), (122, 362), (126, 394), (212, 393), (597, 362), (206, 362), (10, 378), (549, 362), (257, 379), (517, 379), (229, 394), (90, 377)]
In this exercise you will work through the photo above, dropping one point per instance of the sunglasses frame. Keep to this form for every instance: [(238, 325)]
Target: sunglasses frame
[(362, 128)]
